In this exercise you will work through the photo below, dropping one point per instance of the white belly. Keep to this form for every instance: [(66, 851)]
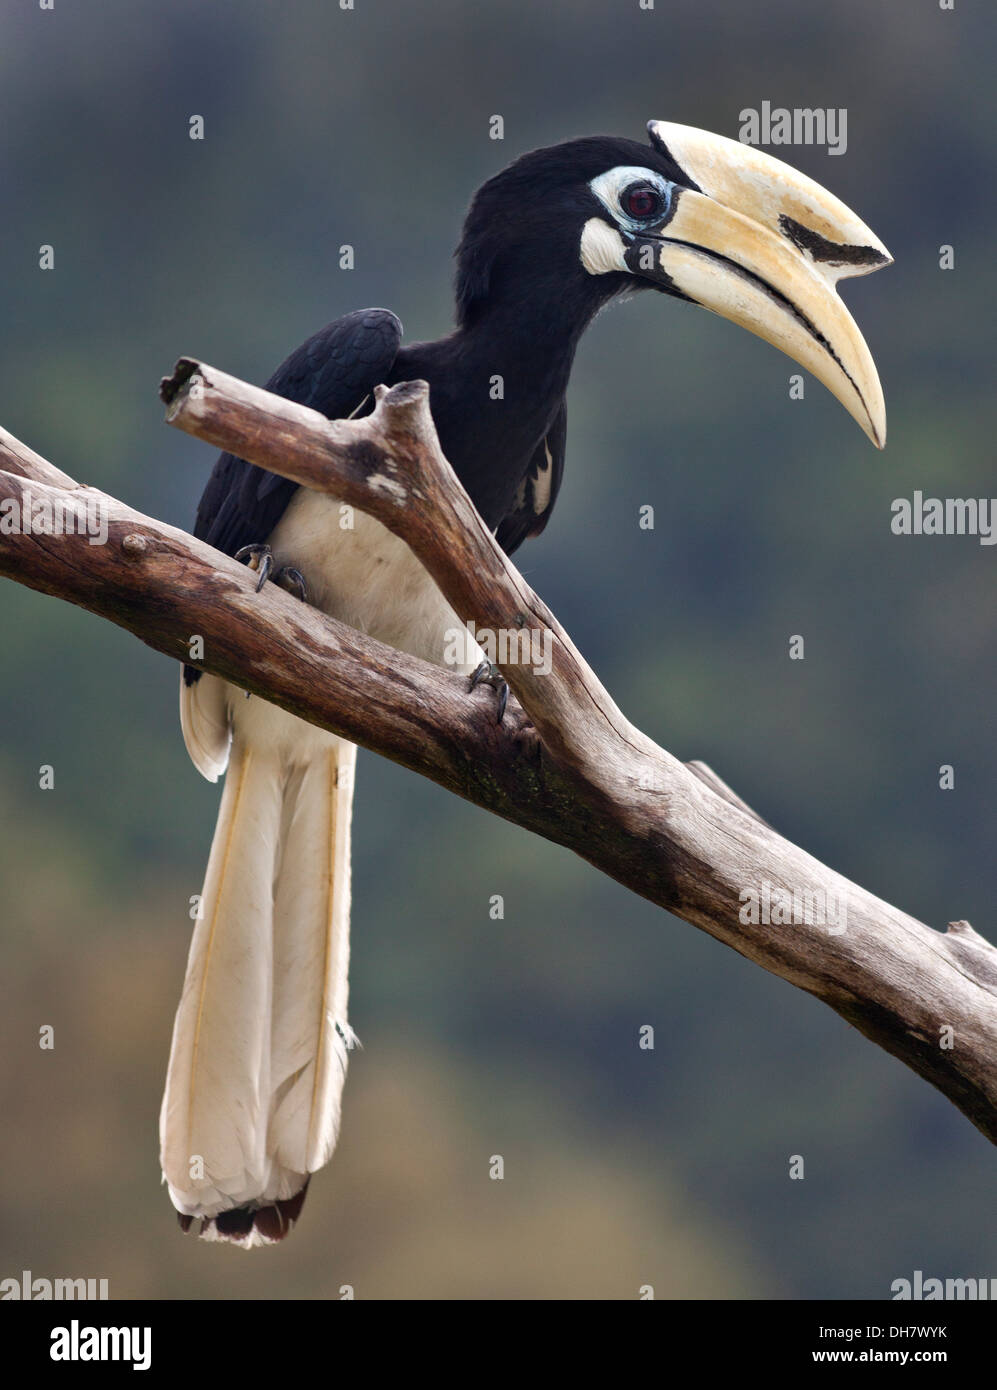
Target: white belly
[(362, 575)]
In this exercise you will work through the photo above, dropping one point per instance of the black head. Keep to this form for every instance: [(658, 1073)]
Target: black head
[(528, 220), (564, 229)]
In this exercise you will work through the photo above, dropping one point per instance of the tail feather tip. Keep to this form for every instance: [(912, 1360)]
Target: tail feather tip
[(249, 1227)]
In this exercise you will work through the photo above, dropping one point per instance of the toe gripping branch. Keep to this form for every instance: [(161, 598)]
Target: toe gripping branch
[(259, 558), (489, 674)]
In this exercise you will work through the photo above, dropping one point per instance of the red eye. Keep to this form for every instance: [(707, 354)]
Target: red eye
[(642, 201)]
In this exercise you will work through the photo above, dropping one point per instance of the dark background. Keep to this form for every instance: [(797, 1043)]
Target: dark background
[(519, 1037)]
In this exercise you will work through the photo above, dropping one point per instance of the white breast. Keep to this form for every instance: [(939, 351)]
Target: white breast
[(362, 574), (358, 573)]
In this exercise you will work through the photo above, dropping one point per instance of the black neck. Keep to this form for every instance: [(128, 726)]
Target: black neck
[(490, 428)]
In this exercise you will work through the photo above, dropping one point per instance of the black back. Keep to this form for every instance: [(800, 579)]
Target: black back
[(332, 372)]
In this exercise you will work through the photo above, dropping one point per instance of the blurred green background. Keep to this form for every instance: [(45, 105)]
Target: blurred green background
[(519, 1037)]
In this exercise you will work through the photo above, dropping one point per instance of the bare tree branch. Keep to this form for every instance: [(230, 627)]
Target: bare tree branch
[(565, 764)]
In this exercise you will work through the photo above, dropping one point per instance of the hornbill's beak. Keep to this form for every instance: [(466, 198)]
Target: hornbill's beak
[(764, 246)]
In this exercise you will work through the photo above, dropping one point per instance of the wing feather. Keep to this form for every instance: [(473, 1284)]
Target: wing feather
[(538, 491)]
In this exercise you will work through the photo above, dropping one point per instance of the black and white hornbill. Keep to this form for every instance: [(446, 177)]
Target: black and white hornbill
[(260, 1042)]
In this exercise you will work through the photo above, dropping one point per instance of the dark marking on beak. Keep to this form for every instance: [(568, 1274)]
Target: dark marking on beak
[(632, 258), (662, 148), (832, 252), (662, 281)]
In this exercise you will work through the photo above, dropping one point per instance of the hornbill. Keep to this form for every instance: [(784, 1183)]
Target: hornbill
[(261, 1037)]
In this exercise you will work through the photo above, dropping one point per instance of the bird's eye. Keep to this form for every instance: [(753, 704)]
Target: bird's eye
[(642, 201)]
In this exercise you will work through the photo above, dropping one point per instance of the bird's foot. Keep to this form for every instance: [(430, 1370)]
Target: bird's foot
[(259, 558), (293, 581), (489, 674)]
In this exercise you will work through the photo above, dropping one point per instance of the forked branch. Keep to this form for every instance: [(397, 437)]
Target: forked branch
[(565, 763)]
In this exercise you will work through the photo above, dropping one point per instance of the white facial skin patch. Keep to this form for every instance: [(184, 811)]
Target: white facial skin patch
[(601, 247), (608, 187)]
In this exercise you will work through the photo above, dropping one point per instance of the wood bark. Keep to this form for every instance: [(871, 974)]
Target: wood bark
[(565, 763)]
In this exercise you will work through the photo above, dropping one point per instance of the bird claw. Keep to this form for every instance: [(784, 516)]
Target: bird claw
[(489, 674), (293, 581), (260, 559)]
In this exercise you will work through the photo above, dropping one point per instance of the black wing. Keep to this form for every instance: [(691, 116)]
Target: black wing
[(332, 372), (538, 490)]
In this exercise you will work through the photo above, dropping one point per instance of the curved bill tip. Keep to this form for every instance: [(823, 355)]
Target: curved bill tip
[(761, 244)]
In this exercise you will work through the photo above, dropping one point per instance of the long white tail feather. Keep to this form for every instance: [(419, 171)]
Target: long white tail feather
[(261, 1038), (311, 960), (258, 1059)]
